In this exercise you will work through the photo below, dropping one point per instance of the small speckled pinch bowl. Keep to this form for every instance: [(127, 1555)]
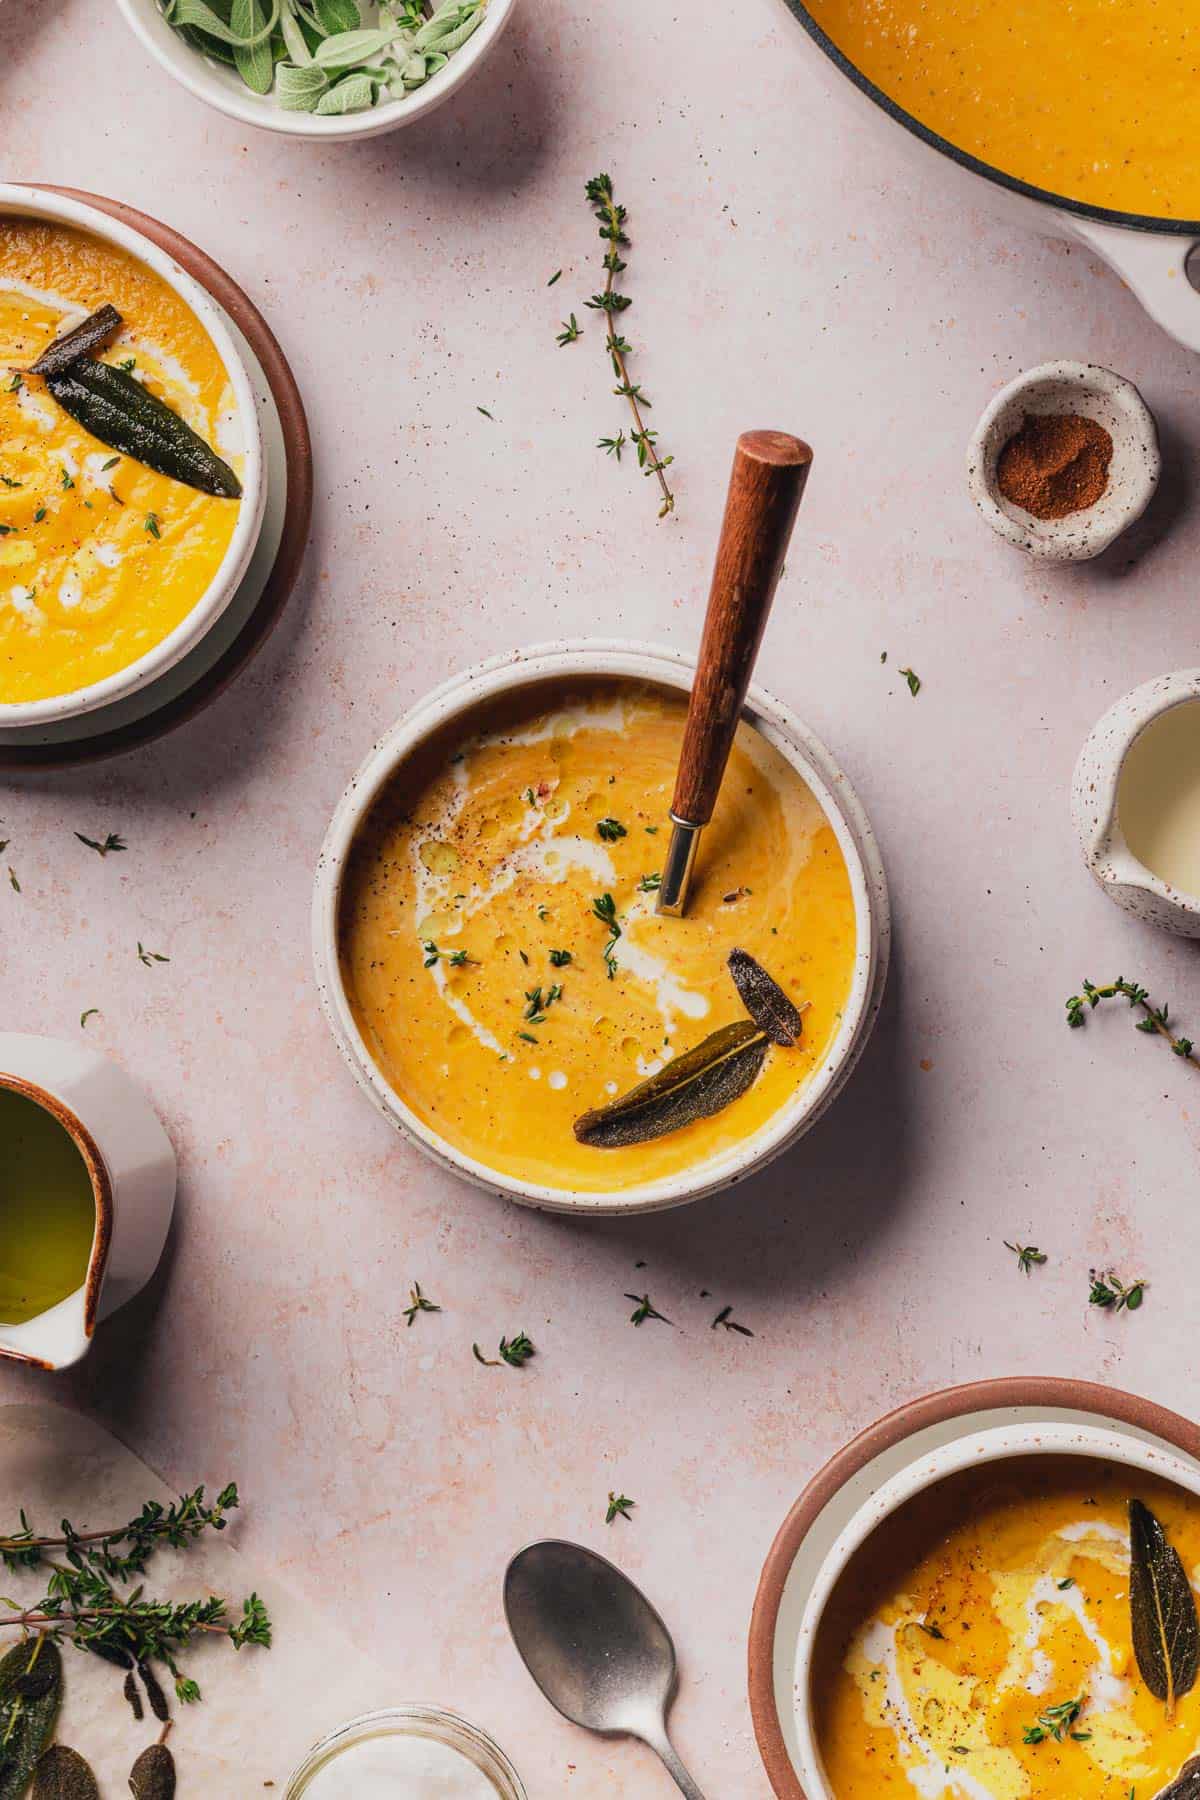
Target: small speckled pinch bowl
[(898, 1457), (1094, 393), (553, 664), (224, 88)]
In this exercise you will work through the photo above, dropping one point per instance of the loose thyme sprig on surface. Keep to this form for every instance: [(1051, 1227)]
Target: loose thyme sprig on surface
[(516, 1352), (618, 1507), (611, 303), (82, 1602), (1109, 1291), (644, 1310), (419, 1303), (1027, 1255), (1155, 1020)]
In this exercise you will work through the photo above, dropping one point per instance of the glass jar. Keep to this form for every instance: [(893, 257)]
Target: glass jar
[(420, 1722)]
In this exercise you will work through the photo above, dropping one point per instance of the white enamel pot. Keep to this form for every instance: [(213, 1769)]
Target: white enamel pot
[(1153, 256), (131, 1166), (1000, 1444), (34, 203), (570, 661), (1094, 793)]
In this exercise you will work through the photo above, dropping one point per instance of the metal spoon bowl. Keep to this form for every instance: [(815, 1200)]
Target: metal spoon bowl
[(594, 1645)]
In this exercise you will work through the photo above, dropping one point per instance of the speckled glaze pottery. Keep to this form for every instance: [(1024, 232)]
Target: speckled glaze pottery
[(1094, 806), (132, 1169), (1094, 393), (572, 660), (898, 1457)]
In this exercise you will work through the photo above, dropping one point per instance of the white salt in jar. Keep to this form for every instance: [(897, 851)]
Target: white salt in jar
[(418, 1751)]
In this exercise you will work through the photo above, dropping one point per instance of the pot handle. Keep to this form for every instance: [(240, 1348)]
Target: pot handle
[(1154, 265)]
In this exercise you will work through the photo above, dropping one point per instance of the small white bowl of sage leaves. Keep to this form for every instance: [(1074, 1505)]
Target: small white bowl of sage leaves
[(320, 68)]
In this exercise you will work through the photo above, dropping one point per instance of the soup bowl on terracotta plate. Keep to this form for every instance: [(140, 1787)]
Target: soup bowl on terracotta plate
[(447, 717), (983, 1430)]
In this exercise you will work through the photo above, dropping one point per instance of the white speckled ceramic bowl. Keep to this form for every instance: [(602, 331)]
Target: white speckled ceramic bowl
[(552, 664), (1094, 792), (1095, 393), (895, 1459), (27, 202), (222, 87)]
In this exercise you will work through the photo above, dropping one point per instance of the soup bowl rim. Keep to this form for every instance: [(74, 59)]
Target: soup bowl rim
[(22, 201), (102, 1194), (991, 1444), (599, 659)]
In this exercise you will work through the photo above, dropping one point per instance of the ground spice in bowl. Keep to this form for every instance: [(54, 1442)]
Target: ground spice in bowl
[(1056, 464)]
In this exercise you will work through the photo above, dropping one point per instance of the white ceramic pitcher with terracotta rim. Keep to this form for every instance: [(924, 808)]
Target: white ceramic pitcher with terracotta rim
[(131, 1165), (1094, 805)]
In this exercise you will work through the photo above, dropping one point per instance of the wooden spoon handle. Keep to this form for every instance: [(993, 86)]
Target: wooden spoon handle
[(770, 469)]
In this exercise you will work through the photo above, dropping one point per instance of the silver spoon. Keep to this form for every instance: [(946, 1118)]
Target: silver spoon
[(594, 1645)]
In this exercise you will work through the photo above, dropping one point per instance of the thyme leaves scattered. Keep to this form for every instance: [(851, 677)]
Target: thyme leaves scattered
[(1154, 1020)]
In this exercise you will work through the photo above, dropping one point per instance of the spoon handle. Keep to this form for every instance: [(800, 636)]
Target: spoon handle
[(661, 1744), (770, 469)]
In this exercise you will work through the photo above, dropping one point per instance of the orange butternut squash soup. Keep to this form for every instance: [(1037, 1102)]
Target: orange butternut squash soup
[(501, 952), (101, 557), (1094, 101), (980, 1646)]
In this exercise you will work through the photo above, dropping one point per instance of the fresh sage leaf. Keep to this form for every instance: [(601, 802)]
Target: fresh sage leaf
[(26, 1720), (352, 94), (152, 1776), (1166, 1633), (127, 417), (62, 1774), (350, 47), (1186, 1785), (337, 15), (693, 1086), (294, 40), (765, 1000), (94, 332), (252, 58), (299, 90)]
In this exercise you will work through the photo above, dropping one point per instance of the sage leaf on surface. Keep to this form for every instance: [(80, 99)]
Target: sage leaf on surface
[(693, 1086), (62, 1774), (152, 1776), (1186, 1785), (26, 1719), (252, 59), (765, 1000), (123, 414), (1166, 1633), (298, 90), (94, 332)]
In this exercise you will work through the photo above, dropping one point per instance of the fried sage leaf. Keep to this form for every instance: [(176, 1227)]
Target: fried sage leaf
[(118, 410), (28, 1708), (95, 331), (62, 1774), (1166, 1633), (1186, 1785), (691, 1087), (153, 1775), (765, 1000)]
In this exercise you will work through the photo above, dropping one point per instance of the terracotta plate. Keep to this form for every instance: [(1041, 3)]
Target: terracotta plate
[(92, 745), (869, 1459)]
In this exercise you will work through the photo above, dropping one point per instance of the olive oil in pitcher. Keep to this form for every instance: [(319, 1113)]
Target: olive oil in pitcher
[(47, 1210)]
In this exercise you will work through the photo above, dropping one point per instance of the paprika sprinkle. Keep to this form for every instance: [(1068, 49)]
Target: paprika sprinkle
[(1056, 464)]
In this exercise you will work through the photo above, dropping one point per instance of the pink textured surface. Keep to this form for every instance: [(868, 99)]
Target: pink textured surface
[(788, 271)]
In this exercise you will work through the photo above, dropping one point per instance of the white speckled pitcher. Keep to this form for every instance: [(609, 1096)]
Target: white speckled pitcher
[(1094, 806), (132, 1168)]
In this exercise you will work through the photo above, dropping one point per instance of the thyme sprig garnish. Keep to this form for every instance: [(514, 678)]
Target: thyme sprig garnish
[(605, 909), (1056, 1722), (83, 1602), (618, 1507), (643, 1310), (1027, 1256), (457, 959), (1108, 1290), (610, 830), (1153, 1023), (419, 1303), (516, 1352), (611, 303), (540, 1002)]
